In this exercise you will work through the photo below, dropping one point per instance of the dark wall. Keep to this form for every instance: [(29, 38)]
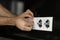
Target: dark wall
[(39, 7)]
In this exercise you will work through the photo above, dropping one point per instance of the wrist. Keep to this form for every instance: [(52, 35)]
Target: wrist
[(11, 21)]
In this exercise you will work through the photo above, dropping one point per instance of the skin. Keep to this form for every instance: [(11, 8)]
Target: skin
[(5, 12), (7, 18)]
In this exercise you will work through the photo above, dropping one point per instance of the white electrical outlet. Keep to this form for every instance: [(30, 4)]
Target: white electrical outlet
[(43, 23)]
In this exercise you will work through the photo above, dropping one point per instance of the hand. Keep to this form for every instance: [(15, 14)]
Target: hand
[(28, 14), (22, 23)]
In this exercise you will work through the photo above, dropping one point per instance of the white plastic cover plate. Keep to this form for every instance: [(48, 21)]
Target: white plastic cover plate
[(43, 23)]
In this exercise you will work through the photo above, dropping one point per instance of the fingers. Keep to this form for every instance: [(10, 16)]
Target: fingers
[(25, 28), (24, 25), (29, 22), (28, 28), (27, 14), (29, 25)]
